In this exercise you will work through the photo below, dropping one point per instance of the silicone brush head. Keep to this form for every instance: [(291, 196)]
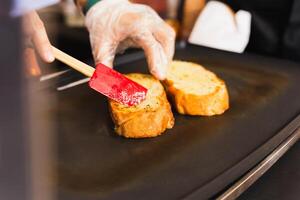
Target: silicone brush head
[(116, 86)]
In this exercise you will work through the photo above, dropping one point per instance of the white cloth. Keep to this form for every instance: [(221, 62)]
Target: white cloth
[(22, 6), (219, 27)]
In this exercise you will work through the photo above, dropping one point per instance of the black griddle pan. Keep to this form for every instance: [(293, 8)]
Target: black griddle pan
[(199, 157)]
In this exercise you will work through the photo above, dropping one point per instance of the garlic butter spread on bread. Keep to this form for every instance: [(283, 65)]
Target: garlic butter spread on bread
[(148, 119), (195, 90)]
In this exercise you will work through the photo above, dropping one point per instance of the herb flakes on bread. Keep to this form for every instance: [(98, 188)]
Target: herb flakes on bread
[(148, 119)]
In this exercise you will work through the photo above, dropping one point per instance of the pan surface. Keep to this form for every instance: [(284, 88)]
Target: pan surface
[(199, 154)]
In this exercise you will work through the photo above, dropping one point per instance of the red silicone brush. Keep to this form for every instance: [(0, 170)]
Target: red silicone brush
[(106, 80)]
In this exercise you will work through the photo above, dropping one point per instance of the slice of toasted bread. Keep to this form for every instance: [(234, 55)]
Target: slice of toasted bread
[(195, 90), (148, 119)]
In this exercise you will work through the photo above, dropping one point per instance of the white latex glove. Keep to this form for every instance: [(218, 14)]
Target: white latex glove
[(115, 25)]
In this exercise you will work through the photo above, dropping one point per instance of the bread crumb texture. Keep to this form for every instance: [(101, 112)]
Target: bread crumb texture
[(196, 91), (148, 119)]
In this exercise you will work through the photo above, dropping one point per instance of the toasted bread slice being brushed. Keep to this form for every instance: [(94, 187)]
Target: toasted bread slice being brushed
[(148, 119)]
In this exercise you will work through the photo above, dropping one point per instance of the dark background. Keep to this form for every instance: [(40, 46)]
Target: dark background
[(275, 26)]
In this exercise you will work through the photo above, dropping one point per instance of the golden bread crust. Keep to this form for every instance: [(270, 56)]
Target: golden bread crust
[(143, 121), (214, 103)]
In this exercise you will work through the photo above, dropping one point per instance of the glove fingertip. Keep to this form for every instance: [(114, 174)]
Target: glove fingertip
[(106, 62), (158, 73)]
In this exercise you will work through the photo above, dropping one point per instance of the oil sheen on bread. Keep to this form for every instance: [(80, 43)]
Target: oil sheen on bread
[(195, 90), (148, 119)]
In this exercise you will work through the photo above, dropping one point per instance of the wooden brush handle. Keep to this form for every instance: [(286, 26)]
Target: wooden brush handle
[(73, 62)]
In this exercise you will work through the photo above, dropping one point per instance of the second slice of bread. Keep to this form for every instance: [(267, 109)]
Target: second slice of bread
[(195, 90), (148, 119)]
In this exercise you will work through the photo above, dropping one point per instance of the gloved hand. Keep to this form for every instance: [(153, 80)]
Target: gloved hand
[(115, 25), (35, 34)]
